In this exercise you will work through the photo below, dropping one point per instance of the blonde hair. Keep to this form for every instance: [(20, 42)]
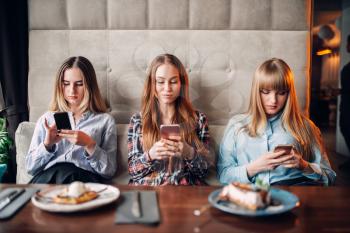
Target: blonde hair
[(92, 99), (185, 114), (276, 74)]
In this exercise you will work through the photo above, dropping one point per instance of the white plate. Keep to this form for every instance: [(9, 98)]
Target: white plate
[(107, 195)]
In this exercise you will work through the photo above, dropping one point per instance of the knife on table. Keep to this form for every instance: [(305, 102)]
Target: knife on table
[(10, 197), (136, 205)]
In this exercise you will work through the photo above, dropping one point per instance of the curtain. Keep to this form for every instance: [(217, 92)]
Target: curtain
[(14, 68)]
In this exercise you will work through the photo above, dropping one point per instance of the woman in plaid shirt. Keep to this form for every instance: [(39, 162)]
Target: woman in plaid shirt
[(179, 160)]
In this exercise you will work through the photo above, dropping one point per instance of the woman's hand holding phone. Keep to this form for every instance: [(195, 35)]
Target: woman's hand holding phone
[(295, 161), (51, 136), (171, 133), (163, 149), (286, 148), (80, 138), (283, 155), (184, 149), (168, 145), (173, 146), (267, 162)]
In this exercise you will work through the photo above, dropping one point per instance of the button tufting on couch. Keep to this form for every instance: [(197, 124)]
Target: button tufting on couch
[(220, 42)]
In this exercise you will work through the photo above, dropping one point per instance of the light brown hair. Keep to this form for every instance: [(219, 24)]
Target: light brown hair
[(276, 74), (92, 99), (185, 114)]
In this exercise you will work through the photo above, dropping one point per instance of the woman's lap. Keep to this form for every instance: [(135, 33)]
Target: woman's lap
[(64, 173)]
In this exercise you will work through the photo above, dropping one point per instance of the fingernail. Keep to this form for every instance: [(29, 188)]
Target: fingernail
[(58, 131)]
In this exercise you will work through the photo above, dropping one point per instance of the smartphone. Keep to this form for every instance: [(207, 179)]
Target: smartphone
[(286, 148), (62, 120), (169, 130)]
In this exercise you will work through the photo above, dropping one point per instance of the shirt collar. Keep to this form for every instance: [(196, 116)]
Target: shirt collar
[(86, 114), (271, 124), (274, 118)]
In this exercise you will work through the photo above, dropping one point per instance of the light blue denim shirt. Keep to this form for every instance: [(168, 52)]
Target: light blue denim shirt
[(100, 126), (238, 149)]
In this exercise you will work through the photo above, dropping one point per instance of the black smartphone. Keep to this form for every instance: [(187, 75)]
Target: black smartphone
[(62, 120), (169, 130)]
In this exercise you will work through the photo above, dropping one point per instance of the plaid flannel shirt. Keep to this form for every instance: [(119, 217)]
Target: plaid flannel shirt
[(157, 172)]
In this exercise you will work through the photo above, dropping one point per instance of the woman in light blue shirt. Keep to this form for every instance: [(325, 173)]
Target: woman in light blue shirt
[(273, 118), (86, 153)]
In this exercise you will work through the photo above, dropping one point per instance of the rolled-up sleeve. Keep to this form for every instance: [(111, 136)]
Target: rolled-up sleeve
[(322, 168)]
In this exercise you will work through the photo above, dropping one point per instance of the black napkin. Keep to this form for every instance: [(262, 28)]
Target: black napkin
[(148, 205), (17, 203)]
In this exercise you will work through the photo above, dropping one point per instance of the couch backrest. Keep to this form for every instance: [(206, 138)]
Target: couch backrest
[(220, 42)]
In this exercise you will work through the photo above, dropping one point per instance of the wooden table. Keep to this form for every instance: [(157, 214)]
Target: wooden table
[(321, 210)]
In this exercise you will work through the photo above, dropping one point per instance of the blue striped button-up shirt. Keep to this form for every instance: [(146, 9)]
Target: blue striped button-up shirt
[(100, 126)]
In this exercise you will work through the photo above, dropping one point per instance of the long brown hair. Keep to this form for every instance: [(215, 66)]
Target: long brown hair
[(185, 114), (92, 99), (276, 74)]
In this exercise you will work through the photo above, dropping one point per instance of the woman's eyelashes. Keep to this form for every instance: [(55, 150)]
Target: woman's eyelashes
[(80, 83), (282, 92), (266, 92), (162, 81)]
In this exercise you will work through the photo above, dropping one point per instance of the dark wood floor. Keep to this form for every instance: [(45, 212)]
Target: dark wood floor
[(343, 177)]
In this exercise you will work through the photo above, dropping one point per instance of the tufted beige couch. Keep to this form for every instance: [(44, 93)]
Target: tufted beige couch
[(220, 42)]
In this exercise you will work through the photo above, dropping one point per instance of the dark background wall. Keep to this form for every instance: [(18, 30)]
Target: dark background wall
[(14, 68)]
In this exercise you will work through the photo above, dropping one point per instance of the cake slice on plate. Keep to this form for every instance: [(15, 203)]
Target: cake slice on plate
[(245, 195), (75, 193)]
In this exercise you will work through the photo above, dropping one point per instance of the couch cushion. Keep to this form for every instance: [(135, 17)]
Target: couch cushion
[(216, 133), (23, 137), (122, 174)]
